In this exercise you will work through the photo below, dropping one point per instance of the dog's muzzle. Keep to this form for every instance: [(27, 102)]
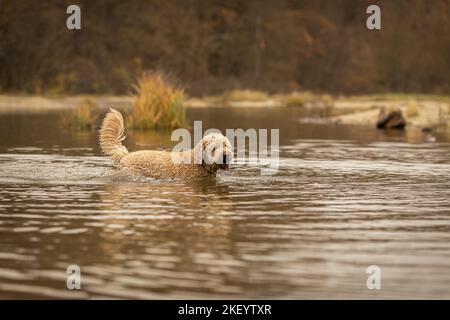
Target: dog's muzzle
[(226, 159)]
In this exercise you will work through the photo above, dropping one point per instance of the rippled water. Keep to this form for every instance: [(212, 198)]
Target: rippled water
[(344, 198)]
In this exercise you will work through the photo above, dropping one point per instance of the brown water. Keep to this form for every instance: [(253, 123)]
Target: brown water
[(343, 199)]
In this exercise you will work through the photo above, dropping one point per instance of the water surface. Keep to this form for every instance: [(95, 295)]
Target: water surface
[(344, 198)]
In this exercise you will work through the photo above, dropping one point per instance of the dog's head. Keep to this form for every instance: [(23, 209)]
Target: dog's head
[(214, 152)]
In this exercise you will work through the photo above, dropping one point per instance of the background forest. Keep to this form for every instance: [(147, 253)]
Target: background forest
[(214, 46)]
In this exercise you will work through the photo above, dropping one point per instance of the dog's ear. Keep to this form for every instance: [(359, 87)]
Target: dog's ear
[(199, 151), (204, 145)]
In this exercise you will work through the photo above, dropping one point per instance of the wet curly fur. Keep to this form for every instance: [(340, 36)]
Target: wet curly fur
[(212, 153)]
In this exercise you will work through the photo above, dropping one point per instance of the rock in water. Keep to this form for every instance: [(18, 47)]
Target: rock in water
[(392, 120)]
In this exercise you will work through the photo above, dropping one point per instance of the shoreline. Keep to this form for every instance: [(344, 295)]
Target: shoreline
[(425, 111)]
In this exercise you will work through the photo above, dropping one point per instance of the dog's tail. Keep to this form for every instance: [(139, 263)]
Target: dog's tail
[(112, 135)]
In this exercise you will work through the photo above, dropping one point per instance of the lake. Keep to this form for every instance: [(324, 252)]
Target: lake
[(344, 198)]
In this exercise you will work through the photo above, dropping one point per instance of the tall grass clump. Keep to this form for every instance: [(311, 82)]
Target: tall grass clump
[(412, 109), (323, 103), (444, 117), (157, 104), (298, 99), (245, 95), (82, 116), (327, 103)]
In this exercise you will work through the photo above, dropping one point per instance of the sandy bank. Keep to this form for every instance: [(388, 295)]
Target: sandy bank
[(420, 112), (423, 113)]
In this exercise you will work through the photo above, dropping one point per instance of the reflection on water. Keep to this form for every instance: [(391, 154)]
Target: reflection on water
[(343, 199)]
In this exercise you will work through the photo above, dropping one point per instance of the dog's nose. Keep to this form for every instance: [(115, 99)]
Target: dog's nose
[(226, 159)]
